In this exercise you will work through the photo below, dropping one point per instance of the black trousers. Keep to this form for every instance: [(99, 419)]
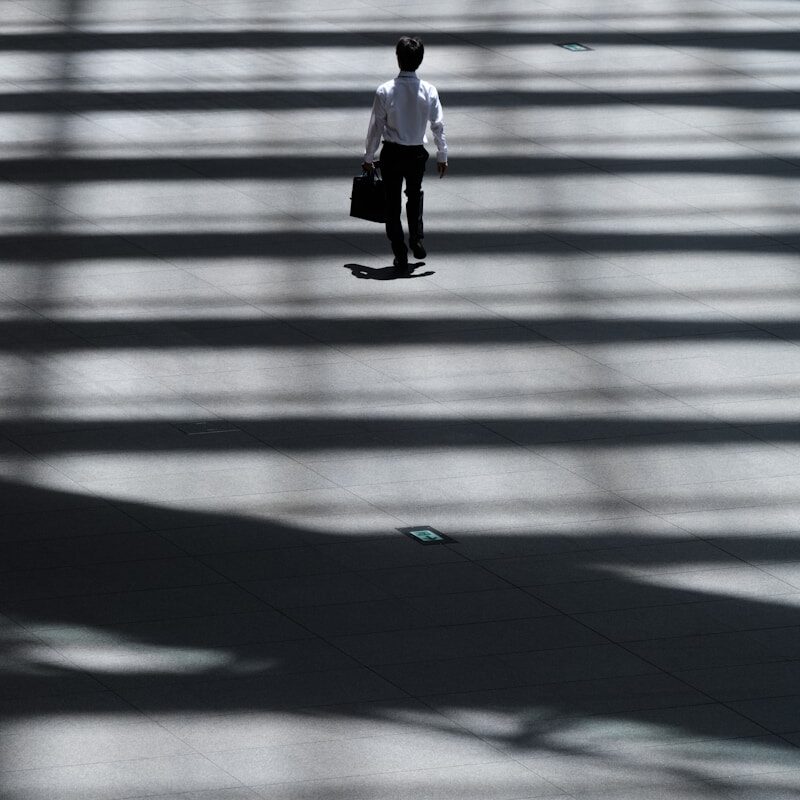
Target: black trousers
[(403, 163)]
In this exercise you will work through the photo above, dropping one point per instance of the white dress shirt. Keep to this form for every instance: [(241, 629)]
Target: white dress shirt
[(401, 112)]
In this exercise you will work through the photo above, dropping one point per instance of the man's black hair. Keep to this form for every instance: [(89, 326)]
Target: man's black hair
[(409, 53)]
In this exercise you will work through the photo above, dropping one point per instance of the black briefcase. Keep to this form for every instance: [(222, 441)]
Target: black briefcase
[(368, 200)]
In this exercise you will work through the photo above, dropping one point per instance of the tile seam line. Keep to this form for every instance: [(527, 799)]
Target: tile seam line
[(637, 385), (194, 754), (622, 645), (458, 763), (431, 627), (732, 34), (105, 688), (649, 575), (662, 606), (317, 637), (645, 108), (100, 565), (762, 567), (655, 671), (13, 604), (310, 781)]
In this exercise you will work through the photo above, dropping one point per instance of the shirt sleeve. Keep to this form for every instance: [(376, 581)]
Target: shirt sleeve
[(436, 118), (377, 121)]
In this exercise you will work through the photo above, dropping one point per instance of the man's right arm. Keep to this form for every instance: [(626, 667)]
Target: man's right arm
[(377, 121)]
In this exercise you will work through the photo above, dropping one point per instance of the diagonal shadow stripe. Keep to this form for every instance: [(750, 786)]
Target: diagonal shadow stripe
[(293, 99), (298, 168), (308, 432), (213, 245), (174, 333), (80, 41)]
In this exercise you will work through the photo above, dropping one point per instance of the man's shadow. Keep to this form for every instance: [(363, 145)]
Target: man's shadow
[(388, 273)]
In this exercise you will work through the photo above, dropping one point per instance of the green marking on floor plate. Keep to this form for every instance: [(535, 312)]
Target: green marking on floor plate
[(574, 47), (425, 534)]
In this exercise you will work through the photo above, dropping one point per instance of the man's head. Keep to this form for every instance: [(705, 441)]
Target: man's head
[(409, 53)]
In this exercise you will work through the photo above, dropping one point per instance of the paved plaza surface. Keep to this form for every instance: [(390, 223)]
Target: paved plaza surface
[(219, 403)]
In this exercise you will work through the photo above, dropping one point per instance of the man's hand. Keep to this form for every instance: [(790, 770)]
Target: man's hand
[(368, 166), (441, 168)]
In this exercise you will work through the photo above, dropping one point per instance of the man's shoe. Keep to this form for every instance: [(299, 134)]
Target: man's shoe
[(401, 264), (417, 249)]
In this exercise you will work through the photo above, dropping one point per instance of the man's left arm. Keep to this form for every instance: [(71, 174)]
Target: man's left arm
[(436, 118)]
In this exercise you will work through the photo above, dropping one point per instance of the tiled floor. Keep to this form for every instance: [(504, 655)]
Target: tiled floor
[(218, 403)]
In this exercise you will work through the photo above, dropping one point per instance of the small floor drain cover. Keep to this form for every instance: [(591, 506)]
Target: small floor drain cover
[(425, 534)]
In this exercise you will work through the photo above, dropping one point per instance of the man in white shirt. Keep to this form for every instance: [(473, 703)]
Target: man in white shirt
[(402, 109)]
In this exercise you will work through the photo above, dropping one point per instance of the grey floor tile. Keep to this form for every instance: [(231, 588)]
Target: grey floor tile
[(743, 614), (276, 563), (262, 690), (92, 740), (408, 612), (466, 674), (162, 669), (215, 630), (517, 669), (710, 650), (646, 728), (576, 663), (558, 542), (354, 757), (550, 481), (214, 731), (776, 714), (651, 471), (609, 551), (97, 518), (748, 681), (633, 624), (498, 781), (231, 536), (439, 579), (137, 606), (382, 469), (727, 760), (52, 492), (670, 589), (713, 496), (788, 573), (120, 779), (509, 716), (105, 578), (236, 793), (42, 675), (585, 427), (488, 638), (310, 590), (38, 708), (755, 535), (765, 786), (85, 550), (781, 640), (611, 775), (385, 552), (212, 483), (97, 453)]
